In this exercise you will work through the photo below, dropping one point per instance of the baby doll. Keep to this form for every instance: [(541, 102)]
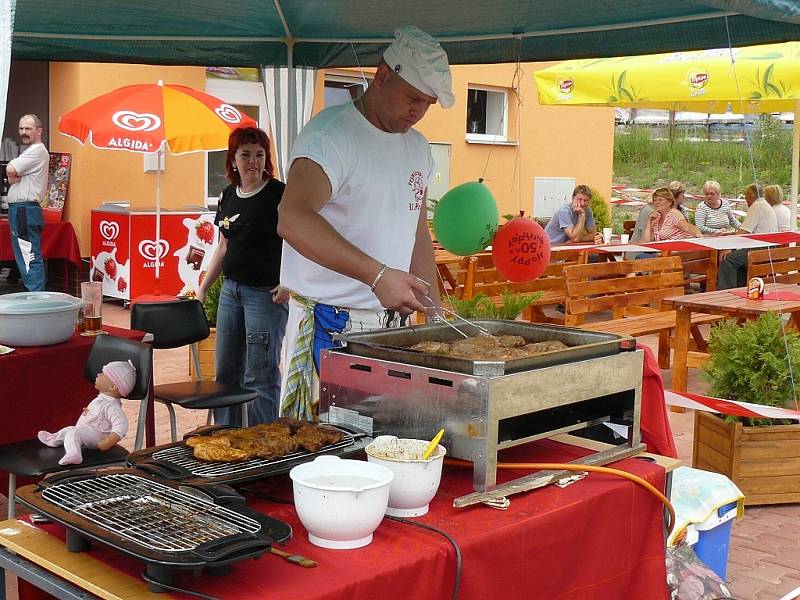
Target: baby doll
[(103, 423)]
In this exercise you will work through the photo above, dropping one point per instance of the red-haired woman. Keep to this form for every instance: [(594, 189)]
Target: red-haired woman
[(252, 312)]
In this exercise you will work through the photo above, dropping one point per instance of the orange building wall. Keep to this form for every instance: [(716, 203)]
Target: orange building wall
[(106, 175), (552, 141)]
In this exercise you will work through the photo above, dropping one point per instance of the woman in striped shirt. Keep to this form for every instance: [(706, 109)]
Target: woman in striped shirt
[(666, 222), (714, 215)]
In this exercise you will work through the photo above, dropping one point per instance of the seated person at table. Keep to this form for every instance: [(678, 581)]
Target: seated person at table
[(103, 423), (773, 194), (760, 219), (574, 222), (679, 191), (666, 222), (714, 215)]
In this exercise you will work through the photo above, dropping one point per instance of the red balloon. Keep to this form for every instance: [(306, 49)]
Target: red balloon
[(521, 250)]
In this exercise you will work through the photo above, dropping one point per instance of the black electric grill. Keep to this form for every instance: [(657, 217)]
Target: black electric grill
[(176, 461), (170, 527)]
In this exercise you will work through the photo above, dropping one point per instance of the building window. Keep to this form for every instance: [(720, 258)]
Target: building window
[(487, 115), (341, 89)]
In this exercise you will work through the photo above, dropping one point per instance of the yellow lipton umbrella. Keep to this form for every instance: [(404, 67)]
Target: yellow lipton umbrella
[(756, 79)]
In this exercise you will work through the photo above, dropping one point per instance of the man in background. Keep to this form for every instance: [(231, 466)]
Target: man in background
[(574, 222), (27, 176)]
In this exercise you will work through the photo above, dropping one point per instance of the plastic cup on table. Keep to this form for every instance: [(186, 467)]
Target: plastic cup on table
[(623, 238), (607, 231)]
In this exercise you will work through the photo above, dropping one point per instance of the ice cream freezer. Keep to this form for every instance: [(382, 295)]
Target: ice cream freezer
[(125, 250)]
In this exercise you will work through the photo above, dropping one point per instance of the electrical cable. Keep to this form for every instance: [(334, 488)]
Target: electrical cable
[(173, 588), (592, 469), (449, 538)]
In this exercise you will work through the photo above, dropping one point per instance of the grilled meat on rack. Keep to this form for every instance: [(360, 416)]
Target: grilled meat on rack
[(488, 347), (219, 453)]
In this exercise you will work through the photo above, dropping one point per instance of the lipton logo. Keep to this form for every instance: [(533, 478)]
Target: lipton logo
[(152, 251), (698, 79), (565, 85), (133, 121), (228, 113), (109, 230)]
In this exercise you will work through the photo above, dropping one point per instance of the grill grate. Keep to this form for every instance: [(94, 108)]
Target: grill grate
[(183, 456), (149, 513)]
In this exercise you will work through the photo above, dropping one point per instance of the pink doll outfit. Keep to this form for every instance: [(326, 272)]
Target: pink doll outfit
[(103, 416)]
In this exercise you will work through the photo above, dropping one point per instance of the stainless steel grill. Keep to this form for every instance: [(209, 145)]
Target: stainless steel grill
[(148, 513), (183, 456)]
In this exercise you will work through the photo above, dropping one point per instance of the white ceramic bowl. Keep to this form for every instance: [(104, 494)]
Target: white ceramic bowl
[(415, 480), (340, 502), (37, 318)]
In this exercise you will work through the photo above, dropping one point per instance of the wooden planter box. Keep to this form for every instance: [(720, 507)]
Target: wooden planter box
[(764, 462), (208, 357)]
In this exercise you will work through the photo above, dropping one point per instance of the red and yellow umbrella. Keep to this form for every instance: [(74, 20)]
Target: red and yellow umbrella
[(139, 118), (145, 117)]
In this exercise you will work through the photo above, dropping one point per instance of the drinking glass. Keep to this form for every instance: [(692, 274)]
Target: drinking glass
[(607, 231), (92, 296)]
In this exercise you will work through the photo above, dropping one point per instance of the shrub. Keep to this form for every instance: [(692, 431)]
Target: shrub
[(212, 300), (755, 362), (600, 210)]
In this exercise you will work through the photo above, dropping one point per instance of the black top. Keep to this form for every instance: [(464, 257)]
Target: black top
[(254, 247)]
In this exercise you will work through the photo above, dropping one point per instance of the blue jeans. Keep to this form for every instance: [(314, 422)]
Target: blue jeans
[(26, 221), (250, 329)]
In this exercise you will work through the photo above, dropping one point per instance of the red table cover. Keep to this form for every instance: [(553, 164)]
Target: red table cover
[(58, 241), (599, 538), (43, 387), (654, 422)]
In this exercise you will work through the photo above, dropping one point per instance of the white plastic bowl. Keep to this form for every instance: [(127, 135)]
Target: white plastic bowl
[(37, 318), (415, 480), (340, 502)]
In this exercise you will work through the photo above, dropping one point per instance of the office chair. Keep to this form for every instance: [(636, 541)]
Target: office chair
[(179, 323), (31, 458)]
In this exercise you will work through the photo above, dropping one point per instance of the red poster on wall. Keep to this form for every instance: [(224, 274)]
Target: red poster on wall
[(58, 183)]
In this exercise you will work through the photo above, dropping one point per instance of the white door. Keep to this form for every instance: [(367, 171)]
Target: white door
[(440, 182)]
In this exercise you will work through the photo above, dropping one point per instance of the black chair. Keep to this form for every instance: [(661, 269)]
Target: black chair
[(179, 323), (31, 458)]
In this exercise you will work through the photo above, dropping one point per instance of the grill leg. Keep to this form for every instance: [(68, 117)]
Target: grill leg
[(244, 414), (159, 574), (76, 542), (12, 495)]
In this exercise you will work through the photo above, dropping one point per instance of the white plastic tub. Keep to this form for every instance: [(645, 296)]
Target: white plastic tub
[(37, 318), (340, 502)]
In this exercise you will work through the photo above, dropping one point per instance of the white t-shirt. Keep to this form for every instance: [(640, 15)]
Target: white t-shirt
[(784, 217), (760, 218), (378, 182), (32, 165)]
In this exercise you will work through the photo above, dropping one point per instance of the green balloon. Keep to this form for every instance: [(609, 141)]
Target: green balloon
[(466, 219)]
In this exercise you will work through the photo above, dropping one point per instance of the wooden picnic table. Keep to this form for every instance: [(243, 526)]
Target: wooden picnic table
[(721, 302)]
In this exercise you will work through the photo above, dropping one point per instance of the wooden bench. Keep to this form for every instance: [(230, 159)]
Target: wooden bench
[(699, 266), (479, 275), (632, 290), (775, 264)]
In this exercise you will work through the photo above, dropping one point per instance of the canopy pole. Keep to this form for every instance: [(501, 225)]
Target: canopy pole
[(292, 97), (795, 161), (158, 218)]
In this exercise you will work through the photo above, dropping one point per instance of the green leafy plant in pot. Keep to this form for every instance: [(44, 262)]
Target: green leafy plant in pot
[(211, 303), (207, 347), (757, 362), (482, 307)]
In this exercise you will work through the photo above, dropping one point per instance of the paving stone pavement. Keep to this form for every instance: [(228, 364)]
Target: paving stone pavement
[(764, 557)]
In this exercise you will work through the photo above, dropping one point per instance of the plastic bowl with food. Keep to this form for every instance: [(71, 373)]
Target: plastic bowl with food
[(416, 479), (340, 502), (37, 318)]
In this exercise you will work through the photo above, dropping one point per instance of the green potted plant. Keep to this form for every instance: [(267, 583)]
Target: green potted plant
[(207, 347), (510, 305), (756, 362), (600, 210)]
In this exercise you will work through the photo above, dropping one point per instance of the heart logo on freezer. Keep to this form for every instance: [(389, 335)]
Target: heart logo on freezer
[(152, 251), (133, 121), (228, 113), (109, 230)]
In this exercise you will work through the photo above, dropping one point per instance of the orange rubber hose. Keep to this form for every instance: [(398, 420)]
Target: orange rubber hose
[(591, 468)]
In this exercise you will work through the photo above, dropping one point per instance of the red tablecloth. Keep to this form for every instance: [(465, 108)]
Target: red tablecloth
[(600, 538), (654, 422), (58, 241), (43, 387)]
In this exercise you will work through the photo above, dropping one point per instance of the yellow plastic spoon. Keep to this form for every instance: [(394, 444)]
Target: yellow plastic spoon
[(432, 446)]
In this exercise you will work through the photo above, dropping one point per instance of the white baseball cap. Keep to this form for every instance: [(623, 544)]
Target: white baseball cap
[(420, 61)]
